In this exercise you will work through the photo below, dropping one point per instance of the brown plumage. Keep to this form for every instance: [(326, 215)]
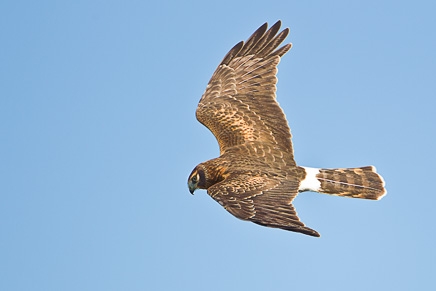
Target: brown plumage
[(256, 178)]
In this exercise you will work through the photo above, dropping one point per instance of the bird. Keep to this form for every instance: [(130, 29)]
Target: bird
[(255, 177)]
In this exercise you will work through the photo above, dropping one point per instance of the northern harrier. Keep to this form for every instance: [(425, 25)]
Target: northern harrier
[(255, 178)]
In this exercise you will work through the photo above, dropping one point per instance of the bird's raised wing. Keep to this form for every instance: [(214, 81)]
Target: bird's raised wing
[(239, 103), (261, 199)]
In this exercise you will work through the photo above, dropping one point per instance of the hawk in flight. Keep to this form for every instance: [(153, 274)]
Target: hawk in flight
[(255, 178)]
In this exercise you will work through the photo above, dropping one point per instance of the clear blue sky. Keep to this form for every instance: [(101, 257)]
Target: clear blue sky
[(98, 135)]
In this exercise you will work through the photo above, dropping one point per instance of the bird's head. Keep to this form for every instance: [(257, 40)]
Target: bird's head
[(197, 179)]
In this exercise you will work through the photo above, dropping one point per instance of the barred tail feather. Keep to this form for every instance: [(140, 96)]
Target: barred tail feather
[(362, 182)]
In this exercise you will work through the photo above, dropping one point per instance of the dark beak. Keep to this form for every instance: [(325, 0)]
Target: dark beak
[(191, 188)]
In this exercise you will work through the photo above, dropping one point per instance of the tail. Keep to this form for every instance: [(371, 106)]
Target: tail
[(361, 182)]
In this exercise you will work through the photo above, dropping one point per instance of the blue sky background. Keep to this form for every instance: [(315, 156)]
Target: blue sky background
[(98, 135)]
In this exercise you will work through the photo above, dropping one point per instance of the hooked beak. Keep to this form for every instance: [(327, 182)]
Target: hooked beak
[(191, 188)]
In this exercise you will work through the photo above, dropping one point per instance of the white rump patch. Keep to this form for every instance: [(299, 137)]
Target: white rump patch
[(311, 182)]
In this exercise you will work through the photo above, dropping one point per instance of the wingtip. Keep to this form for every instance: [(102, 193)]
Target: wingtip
[(232, 53), (278, 22), (262, 28), (308, 231)]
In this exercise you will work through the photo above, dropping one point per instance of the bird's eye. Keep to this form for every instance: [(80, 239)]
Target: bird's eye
[(194, 179)]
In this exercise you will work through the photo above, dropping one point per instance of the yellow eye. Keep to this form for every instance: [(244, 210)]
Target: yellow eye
[(194, 179)]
